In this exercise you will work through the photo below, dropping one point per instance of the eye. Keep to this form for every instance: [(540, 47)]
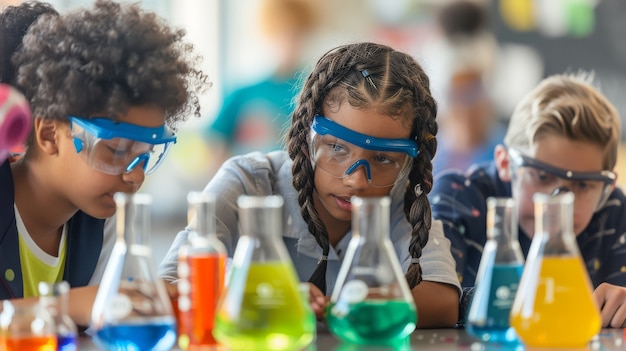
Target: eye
[(336, 148), (384, 159)]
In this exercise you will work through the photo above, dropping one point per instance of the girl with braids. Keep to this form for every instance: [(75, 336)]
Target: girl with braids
[(107, 87), (355, 93)]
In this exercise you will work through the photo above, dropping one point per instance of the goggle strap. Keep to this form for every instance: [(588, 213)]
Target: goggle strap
[(323, 125)]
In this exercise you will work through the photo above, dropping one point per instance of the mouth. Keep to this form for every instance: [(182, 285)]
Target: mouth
[(343, 203)]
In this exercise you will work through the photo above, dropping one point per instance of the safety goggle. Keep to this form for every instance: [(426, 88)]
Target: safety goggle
[(340, 151), (589, 187), (117, 147)]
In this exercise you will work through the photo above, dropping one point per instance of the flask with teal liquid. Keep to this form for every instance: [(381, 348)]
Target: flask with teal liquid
[(498, 276)]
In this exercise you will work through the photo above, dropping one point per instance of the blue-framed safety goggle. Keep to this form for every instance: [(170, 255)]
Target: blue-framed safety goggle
[(340, 151), (118, 147)]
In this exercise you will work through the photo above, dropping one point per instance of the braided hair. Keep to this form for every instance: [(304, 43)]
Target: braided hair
[(365, 75)]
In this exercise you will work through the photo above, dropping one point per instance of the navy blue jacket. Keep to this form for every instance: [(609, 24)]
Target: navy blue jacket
[(84, 243)]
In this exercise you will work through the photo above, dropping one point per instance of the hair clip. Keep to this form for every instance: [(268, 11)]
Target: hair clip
[(365, 73), (418, 189), (415, 260), (323, 258)]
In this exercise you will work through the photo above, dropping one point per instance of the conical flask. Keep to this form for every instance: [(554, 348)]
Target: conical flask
[(201, 268), (262, 307), (554, 306), (55, 298), (26, 327), (371, 302), (132, 310), (498, 275)]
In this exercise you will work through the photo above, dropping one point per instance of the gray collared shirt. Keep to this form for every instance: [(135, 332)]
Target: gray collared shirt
[(259, 174)]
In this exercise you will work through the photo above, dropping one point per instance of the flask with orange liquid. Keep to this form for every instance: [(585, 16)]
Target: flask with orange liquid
[(554, 306), (26, 327), (201, 267)]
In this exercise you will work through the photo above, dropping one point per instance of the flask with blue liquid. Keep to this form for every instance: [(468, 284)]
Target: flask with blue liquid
[(54, 296), (132, 310), (498, 277)]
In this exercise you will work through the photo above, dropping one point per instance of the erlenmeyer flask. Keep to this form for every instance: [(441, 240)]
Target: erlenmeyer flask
[(262, 306), (132, 310), (54, 297), (201, 267), (554, 306), (371, 302), (26, 327), (498, 275)]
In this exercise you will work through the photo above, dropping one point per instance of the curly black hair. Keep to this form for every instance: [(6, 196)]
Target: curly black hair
[(398, 85), (106, 59), (14, 23)]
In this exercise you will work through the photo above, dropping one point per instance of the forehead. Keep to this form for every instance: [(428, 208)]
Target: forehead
[(145, 116), (573, 155), (368, 121)]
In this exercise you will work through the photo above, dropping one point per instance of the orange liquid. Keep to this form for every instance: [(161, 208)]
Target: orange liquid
[(206, 278), (31, 344), (561, 311)]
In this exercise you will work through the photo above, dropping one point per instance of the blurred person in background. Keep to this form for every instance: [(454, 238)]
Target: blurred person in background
[(14, 23), (466, 60), (253, 117)]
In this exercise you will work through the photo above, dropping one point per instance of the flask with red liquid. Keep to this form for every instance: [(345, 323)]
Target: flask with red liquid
[(201, 270)]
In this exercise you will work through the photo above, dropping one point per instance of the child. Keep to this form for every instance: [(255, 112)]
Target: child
[(354, 92), (564, 135), (107, 87)]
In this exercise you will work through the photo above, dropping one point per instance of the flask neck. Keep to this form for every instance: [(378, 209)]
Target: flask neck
[(370, 218), (133, 219), (554, 223)]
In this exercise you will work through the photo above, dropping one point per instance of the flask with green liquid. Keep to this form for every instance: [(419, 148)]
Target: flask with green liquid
[(371, 302), (554, 305), (262, 307)]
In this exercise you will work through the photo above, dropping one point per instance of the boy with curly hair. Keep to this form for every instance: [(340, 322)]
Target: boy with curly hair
[(563, 136), (107, 88)]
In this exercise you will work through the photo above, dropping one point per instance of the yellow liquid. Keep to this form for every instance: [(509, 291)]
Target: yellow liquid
[(266, 313), (563, 313)]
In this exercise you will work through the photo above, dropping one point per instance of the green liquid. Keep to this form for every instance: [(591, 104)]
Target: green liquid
[(383, 322), (266, 313)]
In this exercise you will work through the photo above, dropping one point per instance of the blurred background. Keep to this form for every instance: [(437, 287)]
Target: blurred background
[(482, 56)]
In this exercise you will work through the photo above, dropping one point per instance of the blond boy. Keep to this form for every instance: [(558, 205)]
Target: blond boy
[(563, 135)]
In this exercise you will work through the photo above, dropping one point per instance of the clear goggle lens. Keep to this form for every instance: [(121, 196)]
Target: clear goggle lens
[(117, 155), (536, 176), (340, 158)]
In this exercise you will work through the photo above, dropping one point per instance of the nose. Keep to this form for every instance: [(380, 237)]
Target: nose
[(135, 177)]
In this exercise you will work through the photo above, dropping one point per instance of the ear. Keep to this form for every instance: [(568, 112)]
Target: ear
[(46, 135), (501, 157)]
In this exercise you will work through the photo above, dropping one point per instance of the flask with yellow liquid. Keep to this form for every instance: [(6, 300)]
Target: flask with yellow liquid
[(262, 307), (554, 306)]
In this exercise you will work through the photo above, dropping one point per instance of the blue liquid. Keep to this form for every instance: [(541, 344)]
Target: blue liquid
[(153, 336), (488, 315), (67, 343)]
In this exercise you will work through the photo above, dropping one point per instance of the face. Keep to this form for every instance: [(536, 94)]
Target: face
[(332, 193), (559, 153), (85, 186)]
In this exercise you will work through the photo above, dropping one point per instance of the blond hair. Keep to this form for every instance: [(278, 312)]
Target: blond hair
[(566, 105)]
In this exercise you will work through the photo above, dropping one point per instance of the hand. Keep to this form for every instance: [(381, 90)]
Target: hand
[(171, 288), (611, 300), (318, 301)]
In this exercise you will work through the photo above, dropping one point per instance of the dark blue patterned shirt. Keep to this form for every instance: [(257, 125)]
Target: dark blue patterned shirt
[(459, 201)]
